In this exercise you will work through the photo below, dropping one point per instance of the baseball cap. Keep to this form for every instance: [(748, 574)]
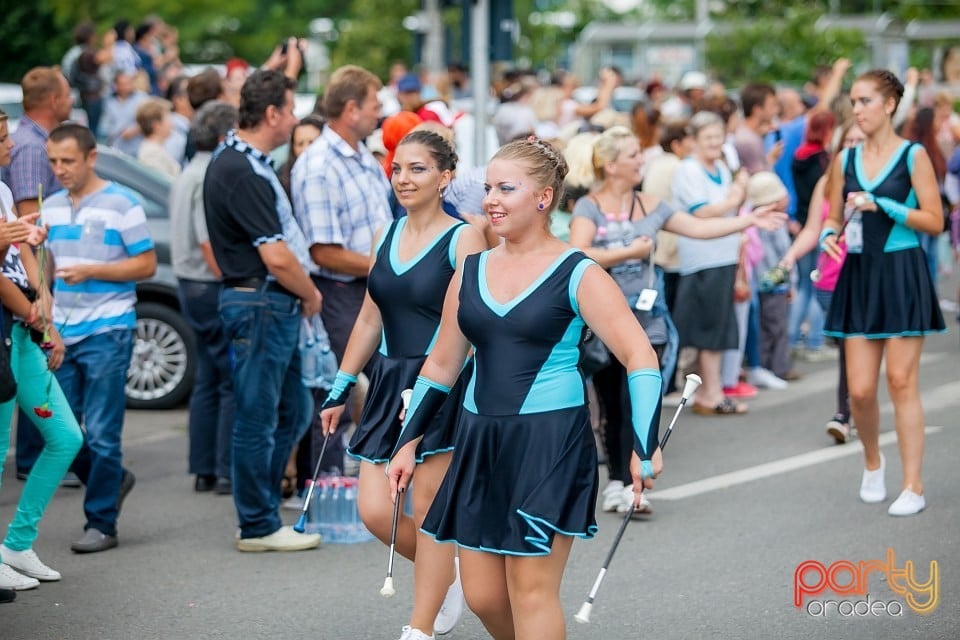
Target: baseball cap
[(765, 187), (693, 80), (409, 83)]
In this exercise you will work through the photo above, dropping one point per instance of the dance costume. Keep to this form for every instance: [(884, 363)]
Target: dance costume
[(525, 461), (884, 289), (410, 298)]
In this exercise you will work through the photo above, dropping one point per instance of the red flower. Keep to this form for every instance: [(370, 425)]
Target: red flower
[(43, 411)]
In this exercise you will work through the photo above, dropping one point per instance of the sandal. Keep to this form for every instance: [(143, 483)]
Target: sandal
[(725, 408)]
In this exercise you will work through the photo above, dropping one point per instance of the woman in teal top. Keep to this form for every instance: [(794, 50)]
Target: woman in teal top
[(882, 193)]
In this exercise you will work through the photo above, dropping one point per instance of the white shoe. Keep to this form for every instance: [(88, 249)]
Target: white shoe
[(627, 502), (765, 379), (907, 504), (612, 496), (409, 633), (452, 607), (10, 579), (27, 563), (872, 487), (283, 539)]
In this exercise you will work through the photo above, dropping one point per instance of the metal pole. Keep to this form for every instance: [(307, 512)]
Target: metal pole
[(432, 56), (480, 77)]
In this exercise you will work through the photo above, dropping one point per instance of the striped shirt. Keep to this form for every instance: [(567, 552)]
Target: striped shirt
[(106, 227), (340, 196)]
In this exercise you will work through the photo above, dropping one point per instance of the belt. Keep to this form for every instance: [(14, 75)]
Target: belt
[(257, 284)]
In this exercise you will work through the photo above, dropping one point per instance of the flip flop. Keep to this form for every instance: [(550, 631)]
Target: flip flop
[(725, 408)]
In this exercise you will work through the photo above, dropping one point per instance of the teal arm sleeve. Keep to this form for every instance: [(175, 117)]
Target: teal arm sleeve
[(428, 396), (342, 385), (646, 400), (896, 210)]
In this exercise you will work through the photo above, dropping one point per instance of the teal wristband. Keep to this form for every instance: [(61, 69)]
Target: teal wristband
[(826, 233), (897, 211), (646, 469), (646, 400), (342, 385)]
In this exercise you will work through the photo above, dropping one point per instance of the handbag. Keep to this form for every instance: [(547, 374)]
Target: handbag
[(594, 355), (8, 384)]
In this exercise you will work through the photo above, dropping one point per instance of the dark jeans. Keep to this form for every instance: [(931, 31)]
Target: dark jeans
[(272, 405), (774, 336), (211, 402), (93, 377)]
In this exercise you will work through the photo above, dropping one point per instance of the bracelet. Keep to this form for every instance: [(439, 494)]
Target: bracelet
[(826, 233)]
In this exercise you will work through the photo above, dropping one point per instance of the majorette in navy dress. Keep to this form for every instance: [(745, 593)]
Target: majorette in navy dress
[(884, 290), (410, 298), (524, 465)]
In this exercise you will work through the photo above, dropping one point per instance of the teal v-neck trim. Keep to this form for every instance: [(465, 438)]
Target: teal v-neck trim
[(400, 267), (870, 185), (503, 308)]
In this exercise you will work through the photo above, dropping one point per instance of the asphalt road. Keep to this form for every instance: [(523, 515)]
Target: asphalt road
[(742, 503)]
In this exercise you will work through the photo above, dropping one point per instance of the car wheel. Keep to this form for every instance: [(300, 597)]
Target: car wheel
[(161, 369)]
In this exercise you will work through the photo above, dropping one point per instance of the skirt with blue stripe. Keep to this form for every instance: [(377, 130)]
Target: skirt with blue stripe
[(884, 295), (516, 481), (379, 427)]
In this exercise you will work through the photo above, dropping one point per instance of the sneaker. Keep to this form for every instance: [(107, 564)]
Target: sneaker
[(839, 428), (7, 595), (820, 354), (766, 379), (612, 496), (907, 504), (93, 541), (452, 607), (283, 539), (10, 579), (645, 506), (740, 390), (409, 633), (872, 488), (27, 563), (294, 503)]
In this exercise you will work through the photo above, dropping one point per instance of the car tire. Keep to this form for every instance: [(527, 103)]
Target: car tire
[(162, 367)]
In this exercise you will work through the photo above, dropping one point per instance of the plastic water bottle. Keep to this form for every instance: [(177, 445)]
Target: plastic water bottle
[(348, 509), (336, 500), (327, 366), (323, 510), (308, 364), (313, 509)]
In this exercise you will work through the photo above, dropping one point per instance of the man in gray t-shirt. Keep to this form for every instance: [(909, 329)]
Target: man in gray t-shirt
[(211, 403)]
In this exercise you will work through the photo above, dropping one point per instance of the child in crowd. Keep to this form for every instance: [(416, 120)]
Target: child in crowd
[(773, 281)]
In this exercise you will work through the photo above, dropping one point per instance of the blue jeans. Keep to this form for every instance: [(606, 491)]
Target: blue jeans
[(272, 406), (93, 377), (802, 306), (211, 402)]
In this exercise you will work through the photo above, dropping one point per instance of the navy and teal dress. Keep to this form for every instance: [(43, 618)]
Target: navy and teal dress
[(884, 291), (410, 298), (524, 465)]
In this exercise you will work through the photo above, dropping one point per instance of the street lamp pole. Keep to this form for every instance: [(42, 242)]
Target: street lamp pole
[(480, 72)]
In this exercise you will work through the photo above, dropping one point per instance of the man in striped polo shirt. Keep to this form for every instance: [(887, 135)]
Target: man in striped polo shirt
[(101, 246)]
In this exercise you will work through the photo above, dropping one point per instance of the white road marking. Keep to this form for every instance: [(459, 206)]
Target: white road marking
[(785, 465)]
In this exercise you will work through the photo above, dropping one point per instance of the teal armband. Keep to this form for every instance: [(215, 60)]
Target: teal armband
[(342, 385), (897, 211), (428, 396), (646, 401), (826, 233)]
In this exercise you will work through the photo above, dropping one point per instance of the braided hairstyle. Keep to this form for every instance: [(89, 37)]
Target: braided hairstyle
[(547, 165), (886, 83)]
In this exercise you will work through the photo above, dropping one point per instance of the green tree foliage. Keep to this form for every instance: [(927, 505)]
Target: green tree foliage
[(779, 50), (27, 40)]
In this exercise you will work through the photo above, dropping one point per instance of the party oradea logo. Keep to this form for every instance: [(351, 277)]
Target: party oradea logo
[(814, 583)]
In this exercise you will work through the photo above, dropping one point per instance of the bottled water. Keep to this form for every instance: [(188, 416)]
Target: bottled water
[(333, 511), (317, 362)]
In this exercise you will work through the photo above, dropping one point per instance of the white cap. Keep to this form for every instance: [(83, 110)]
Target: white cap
[(693, 80)]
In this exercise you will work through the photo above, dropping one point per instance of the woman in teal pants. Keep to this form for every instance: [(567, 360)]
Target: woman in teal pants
[(37, 392)]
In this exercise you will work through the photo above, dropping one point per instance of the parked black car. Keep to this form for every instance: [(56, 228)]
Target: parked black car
[(162, 368)]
